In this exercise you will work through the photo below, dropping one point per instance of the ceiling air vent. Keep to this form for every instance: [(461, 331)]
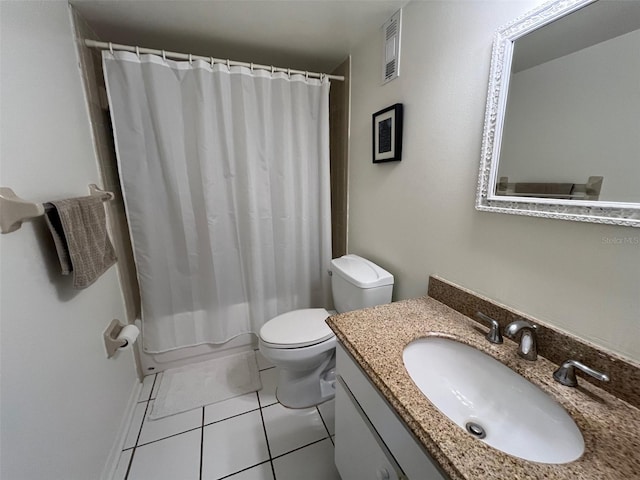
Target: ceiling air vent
[(391, 47)]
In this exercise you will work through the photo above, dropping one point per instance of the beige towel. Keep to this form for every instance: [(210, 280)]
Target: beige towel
[(79, 230)]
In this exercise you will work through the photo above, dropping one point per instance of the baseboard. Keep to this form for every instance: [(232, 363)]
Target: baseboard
[(114, 455)]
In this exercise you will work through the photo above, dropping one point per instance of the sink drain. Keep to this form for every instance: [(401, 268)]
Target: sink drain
[(475, 430)]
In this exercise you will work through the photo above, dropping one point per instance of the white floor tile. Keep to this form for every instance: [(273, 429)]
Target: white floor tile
[(123, 465), (169, 459), (263, 363), (288, 429), (314, 462), (147, 386), (261, 472), (328, 412), (231, 407), (269, 379), (164, 427), (233, 445), (134, 427)]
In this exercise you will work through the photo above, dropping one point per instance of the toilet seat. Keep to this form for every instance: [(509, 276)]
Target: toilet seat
[(297, 329)]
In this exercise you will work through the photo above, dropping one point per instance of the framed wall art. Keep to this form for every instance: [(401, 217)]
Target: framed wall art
[(387, 134)]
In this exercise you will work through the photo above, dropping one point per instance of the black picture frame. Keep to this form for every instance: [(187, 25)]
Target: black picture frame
[(387, 134)]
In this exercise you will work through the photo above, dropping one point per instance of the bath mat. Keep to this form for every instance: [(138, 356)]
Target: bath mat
[(200, 384)]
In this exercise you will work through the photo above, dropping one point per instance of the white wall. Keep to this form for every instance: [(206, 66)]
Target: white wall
[(62, 400), (417, 217), (584, 112)]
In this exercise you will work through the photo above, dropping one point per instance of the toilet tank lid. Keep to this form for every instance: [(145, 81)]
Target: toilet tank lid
[(360, 271)]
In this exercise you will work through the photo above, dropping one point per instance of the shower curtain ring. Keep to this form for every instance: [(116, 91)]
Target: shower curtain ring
[(252, 66), (228, 64), (306, 76), (111, 48), (190, 59), (138, 52), (272, 69), (212, 62), (164, 55), (289, 72)]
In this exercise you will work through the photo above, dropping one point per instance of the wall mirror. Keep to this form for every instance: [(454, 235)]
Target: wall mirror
[(562, 125)]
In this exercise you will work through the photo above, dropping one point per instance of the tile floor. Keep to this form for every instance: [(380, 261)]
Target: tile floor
[(251, 437)]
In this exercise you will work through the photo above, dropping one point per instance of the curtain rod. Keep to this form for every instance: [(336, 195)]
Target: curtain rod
[(212, 60)]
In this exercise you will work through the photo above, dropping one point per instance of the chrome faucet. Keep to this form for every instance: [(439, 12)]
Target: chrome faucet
[(566, 374), (494, 335), (528, 347)]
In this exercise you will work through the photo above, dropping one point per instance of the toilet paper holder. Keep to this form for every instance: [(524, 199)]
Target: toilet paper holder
[(111, 341)]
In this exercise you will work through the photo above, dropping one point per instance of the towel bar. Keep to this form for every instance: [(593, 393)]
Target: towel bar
[(14, 210), (577, 191)]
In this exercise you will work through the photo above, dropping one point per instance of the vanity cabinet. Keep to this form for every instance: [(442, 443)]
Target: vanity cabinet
[(371, 441)]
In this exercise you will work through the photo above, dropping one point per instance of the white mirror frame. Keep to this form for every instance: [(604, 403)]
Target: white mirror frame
[(613, 213)]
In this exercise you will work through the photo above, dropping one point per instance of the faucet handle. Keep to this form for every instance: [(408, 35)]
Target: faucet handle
[(494, 335), (566, 374)]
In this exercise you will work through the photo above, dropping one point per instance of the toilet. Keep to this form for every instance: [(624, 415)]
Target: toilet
[(302, 345)]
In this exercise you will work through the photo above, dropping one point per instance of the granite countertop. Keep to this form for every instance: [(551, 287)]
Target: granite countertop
[(376, 337)]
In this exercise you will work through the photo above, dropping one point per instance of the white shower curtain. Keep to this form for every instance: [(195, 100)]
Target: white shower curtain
[(225, 174)]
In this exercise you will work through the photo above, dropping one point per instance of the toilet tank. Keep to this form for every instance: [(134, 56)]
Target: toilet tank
[(359, 283)]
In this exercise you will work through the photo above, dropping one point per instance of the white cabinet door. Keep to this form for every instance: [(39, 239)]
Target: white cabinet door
[(360, 453), (402, 446)]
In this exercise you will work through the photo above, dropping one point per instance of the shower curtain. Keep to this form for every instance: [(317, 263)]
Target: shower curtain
[(225, 176)]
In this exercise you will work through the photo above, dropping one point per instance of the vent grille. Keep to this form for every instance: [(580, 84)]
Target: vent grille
[(392, 29), (391, 47), (390, 69)]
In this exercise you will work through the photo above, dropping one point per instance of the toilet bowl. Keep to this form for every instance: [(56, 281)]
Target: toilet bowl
[(302, 346)]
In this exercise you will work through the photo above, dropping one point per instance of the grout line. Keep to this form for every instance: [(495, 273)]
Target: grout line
[(155, 378), (126, 475), (229, 418), (168, 436), (144, 417), (299, 448), (266, 437), (135, 445), (201, 443), (157, 381), (244, 470), (324, 423)]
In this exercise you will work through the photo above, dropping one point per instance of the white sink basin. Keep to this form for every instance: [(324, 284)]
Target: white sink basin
[(483, 396)]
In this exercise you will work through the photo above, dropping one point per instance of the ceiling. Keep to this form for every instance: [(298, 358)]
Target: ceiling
[(314, 35)]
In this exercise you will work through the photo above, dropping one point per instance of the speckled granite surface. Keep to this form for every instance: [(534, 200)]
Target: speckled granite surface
[(376, 337)]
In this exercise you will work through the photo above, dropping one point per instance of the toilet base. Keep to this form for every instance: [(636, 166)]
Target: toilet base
[(308, 388)]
